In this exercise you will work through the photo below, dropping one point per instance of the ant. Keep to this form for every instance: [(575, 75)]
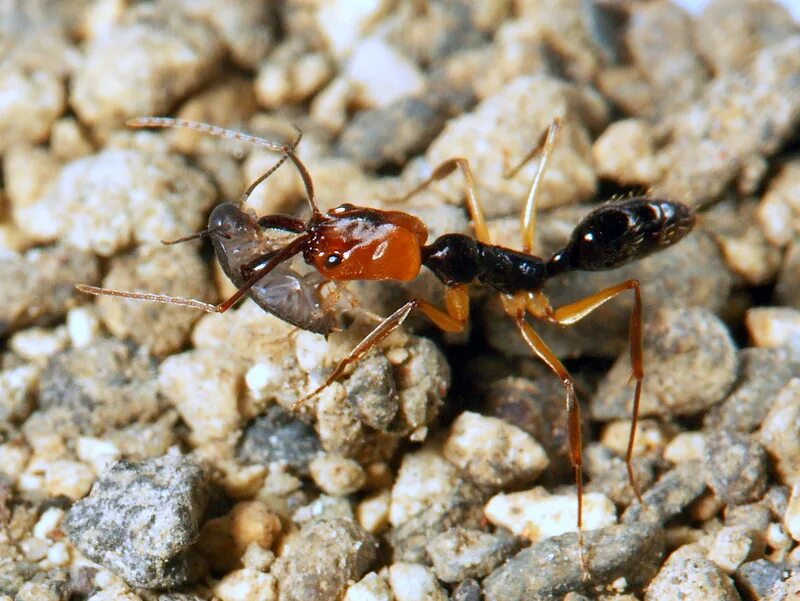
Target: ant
[(360, 243)]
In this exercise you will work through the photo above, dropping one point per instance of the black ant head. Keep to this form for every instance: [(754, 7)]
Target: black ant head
[(617, 233)]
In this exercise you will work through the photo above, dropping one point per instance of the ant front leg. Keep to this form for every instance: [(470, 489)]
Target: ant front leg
[(453, 319), (574, 312)]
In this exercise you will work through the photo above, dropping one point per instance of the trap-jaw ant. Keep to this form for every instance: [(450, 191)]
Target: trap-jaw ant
[(359, 243)]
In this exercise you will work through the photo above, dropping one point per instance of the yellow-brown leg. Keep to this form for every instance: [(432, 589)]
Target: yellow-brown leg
[(473, 206), (453, 319), (545, 146), (515, 307), (574, 312)]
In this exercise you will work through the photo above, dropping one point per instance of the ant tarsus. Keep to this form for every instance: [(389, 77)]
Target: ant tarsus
[(360, 243)]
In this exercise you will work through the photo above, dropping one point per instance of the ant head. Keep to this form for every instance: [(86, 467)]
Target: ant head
[(355, 243)]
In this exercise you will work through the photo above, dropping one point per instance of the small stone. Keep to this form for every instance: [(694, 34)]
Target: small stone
[(246, 585), (141, 520), (339, 550), (204, 387), (625, 153), (170, 270), (736, 467), (414, 582), (779, 210), (324, 508), (31, 103), (686, 446), (101, 203), (142, 67), (651, 437), (72, 479), (513, 119), (697, 578), (429, 497), (771, 327), (763, 373), (461, 553), (758, 578), (253, 523), (257, 558), (83, 326), (731, 547), (791, 518), (670, 495), (691, 361), (370, 588), (342, 24), (547, 570), (49, 524), (337, 475), (17, 387), (278, 437), (38, 343), (780, 432), (787, 288), (538, 515), (611, 479), (373, 512), (14, 456), (44, 287), (467, 590), (67, 141), (96, 388), (98, 453), (492, 452), (381, 74)]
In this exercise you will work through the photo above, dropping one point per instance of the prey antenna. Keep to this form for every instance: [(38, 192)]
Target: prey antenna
[(195, 236), (221, 132)]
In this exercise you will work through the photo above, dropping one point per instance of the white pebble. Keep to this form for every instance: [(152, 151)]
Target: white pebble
[(261, 378), (414, 582), (381, 74), (425, 478), (373, 512), (370, 588), (649, 437), (337, 475), (791, 518), (70, 478), (49, 521), (537, 515), (98, 453), (686, 446), (311, 350), (246, 585), (83, 326), (774, 326), (58, 555), (731, 546), (257, 557), (14, 457), (39, 343), (493, 452), (344, 22), (34, 549)]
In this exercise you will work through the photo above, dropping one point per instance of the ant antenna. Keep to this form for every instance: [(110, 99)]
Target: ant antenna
[(200, 234), (221, 132)]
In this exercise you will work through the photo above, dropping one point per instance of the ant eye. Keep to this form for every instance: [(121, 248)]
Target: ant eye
[(333, 260)]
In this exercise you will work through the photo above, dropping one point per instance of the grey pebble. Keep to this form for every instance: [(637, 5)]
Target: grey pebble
[(669, 495), (612, 480), (690, 364), (757, 579), (325, 556), (698, 579), (389, 136), (463, 507), (46, 586), (467, 590), (753, 516), (278, 437), (96, 388), (372, 390), (141, 519), (39, 286), (460, 553), (736, 467), (763, 372), (549, 570)]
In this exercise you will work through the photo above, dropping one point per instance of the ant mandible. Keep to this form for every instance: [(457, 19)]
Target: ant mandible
[(360, 243)]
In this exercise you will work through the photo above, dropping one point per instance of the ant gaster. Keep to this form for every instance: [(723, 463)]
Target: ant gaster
[(359, 243)]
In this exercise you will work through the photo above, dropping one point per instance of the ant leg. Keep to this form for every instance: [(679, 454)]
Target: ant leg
[(473, 206), (454, 319), (545, 145), (574, 312), (540, 348)]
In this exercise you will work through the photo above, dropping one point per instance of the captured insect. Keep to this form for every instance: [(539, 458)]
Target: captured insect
[(361, 243)]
